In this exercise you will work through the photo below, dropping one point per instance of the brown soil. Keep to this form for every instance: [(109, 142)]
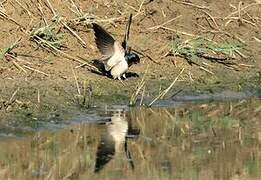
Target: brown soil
[(194, 19)]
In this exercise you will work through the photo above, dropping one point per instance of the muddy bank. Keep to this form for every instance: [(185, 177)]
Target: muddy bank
[(53, 100)]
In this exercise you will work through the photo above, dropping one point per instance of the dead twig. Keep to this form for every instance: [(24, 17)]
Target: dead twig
[(13, 95), (5, 16), (38, 96), (239, 16), (258, 40), (163, 93), (17, 65), (8, 55), (78, 10), (205, 69), (240, 53), (212, 18), (76, 82), (40, 40), (89, 19), (21, 67), (140, 86), (24, 8), (192, 5), (139, 10), (246, 65), (146, 55), (177, 31), (227, 34), (75, 34), (163, 24), (241, 9), (40, 9), (35, 70), (51, 7)]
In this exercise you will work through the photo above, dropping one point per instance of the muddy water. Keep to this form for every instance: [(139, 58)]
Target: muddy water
[(218, 140)]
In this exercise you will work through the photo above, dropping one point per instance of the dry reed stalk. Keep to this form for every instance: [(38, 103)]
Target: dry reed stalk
[(163, 24), (205, 69), (212, 18), (40, 40), (16, 64), (35, 70), (142, 95), (51, 7), (140, 86), (163, 93), (25, 66), (38, 96), (40, 9), (192, 5), (24, 8), (75, 34), (79, 12), (76, 82), (139, 10), (257, 39), (5, 16), (146, 55), (243, 8), (13, 95), (239, 17)]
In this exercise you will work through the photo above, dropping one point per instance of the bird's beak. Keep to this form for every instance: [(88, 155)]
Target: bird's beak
[(138, 61)]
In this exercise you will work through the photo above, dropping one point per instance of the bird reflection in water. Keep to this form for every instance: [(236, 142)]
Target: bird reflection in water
[(119, 130)]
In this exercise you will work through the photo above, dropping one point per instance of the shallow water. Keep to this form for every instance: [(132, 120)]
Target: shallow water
[(203, 140)]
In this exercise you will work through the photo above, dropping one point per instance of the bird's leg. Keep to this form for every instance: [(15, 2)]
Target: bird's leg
[(119, 78), (124, 75)]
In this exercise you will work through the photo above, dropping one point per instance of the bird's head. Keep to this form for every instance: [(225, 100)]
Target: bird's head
[(132, 58)]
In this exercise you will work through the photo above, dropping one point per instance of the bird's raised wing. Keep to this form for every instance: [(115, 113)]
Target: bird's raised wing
[(117, 57), (126, 36), (103, 40)]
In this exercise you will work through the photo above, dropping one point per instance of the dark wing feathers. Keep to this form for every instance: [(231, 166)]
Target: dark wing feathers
[(126, 37), (105, 153), (104, 40)]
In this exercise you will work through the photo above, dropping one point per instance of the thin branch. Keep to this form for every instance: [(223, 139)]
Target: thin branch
[(163, 93), (40, 40), (35, 70), (146, 55), (51, 7), (75, 34), (161, 25), (192, 5), (205, 69), (76, 82), (212, 18), (243, 8)]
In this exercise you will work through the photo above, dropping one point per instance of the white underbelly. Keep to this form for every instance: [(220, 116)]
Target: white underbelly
[(114, 60), (119, 69)]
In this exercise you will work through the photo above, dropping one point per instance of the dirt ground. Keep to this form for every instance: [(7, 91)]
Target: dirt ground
[(31, 74)]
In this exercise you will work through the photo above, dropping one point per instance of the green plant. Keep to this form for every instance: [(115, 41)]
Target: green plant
[(200, 47), (48, 36)]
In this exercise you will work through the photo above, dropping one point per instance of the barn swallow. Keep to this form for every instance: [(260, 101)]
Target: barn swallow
[(119, 130), (116, 55)]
